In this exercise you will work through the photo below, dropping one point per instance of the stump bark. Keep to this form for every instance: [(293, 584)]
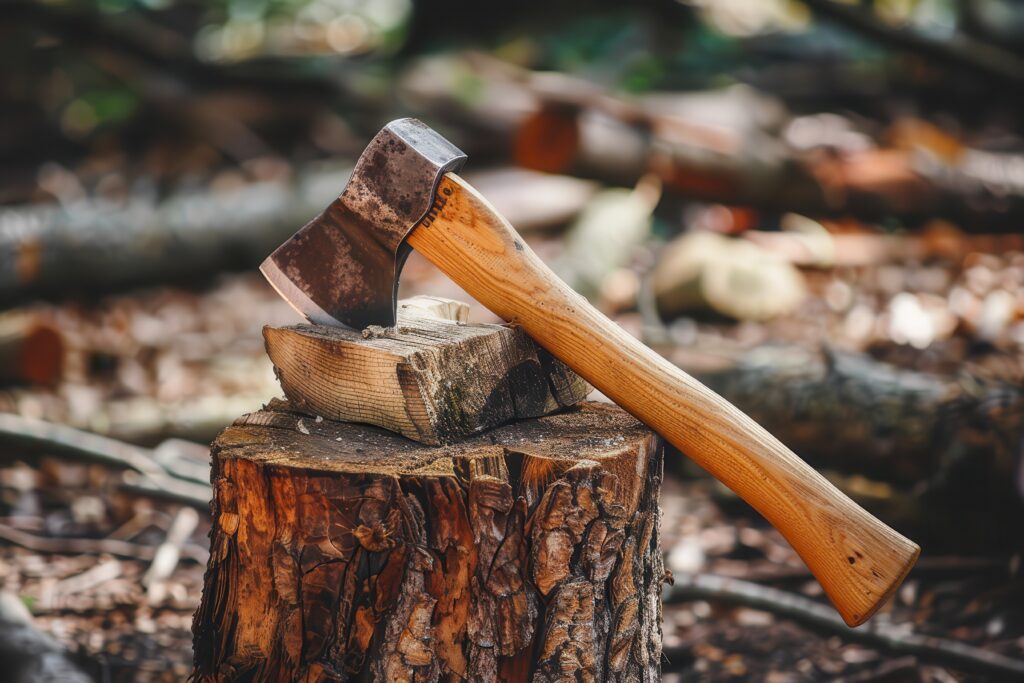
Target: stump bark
[(342, 552)]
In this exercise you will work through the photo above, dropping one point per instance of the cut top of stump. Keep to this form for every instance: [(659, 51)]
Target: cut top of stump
[(591, 435)]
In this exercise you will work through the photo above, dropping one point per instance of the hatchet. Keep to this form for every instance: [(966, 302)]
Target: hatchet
[(342, 268)]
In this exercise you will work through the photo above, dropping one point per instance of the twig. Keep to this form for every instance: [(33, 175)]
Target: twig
[(876, 634), (29, 435), (96, 575), (24, 436), (167, 488), (93, 546), (53, 597), (959, 51), (167, 555), (142, 520)]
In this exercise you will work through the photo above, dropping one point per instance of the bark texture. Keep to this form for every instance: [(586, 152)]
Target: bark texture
[(341, 552), (429, 379)]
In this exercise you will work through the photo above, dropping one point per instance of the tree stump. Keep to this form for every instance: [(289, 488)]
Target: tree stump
[(341, 552)]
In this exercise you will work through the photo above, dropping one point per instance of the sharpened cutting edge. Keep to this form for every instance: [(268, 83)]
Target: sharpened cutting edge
[(295, 297)]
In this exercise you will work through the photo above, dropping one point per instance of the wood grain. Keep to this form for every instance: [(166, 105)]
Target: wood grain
[(858, 560), (429, 379)]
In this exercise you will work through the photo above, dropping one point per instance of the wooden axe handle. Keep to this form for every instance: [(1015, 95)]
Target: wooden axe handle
[(858, 560)]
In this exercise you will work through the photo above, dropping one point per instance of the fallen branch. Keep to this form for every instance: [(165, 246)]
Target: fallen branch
[(877, 634), (189, 493), (902, 668), (93, 546), (165, 561), (143, 519), (24, 435), (52, 250), (56, 597), (850, 412)]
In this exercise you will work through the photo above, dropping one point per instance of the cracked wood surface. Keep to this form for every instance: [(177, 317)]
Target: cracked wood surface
[(341, 552), (429, 379)]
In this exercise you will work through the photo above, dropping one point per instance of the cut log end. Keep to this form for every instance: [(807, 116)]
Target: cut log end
[(32, 350), (342, 552)]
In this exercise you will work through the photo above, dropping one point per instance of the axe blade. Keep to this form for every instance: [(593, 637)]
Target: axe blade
[(342, 267)]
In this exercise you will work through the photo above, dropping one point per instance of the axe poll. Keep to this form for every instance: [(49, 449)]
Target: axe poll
[(342, 268)]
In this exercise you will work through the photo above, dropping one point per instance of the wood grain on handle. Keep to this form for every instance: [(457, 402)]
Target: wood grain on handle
[(858, 560)]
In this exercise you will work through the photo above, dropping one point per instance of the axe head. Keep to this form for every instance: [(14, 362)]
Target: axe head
[(342, 267)]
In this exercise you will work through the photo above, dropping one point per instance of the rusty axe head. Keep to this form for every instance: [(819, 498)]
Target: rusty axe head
[(342, 267)]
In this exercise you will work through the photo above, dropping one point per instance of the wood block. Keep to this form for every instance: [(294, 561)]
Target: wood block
[(429, 379), (344, 552)]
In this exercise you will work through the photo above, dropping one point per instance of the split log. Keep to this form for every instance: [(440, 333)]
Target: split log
[(343, 552), (428, 379)]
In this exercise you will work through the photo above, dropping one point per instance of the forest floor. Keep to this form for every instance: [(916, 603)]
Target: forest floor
[(75, 545), (92, 599)]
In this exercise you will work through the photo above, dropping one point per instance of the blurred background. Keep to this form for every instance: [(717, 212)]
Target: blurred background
[(812, 205)]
